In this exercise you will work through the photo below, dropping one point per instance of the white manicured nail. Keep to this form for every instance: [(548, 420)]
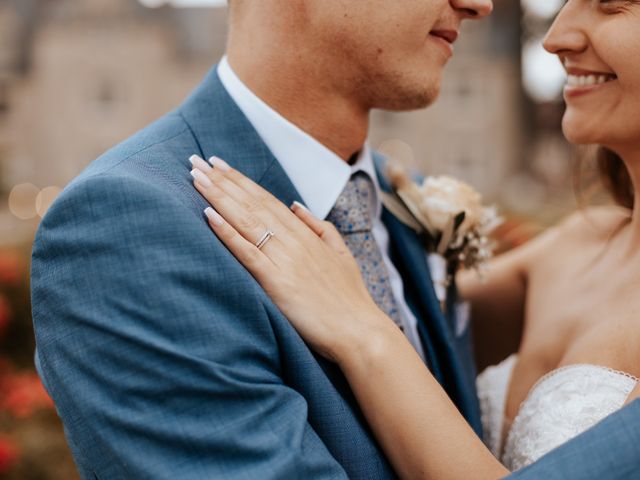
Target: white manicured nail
[(201, 178), (214, 217), (219, 163), (198, 162), (299, 205)]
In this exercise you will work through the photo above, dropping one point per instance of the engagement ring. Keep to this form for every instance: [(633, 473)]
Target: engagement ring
[(264, 239)]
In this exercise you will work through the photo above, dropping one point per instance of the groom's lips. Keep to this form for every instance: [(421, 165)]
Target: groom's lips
[(446, 38)]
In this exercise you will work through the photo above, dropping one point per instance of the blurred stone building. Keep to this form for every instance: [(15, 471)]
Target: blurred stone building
[(96, 71), (78, 76)]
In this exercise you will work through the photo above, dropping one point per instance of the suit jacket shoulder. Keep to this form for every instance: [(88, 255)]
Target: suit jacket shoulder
[(163, 355)]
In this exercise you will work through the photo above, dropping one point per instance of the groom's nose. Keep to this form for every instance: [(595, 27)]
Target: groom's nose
[(472, 8)]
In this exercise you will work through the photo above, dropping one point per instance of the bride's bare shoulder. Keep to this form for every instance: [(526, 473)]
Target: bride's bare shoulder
[(583, 228), (591, 224)]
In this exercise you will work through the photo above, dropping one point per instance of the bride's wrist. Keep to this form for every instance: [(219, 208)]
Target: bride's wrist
[(369, 340)]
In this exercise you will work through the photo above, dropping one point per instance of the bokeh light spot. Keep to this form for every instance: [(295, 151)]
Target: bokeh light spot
[(542, 73), (542, 8), (22, 200), (45, 198), (399, 151)]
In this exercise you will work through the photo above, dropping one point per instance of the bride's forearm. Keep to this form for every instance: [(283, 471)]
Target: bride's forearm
[(417, 425)]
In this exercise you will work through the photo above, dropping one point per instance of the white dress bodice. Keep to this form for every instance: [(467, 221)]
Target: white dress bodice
[(560, 406)]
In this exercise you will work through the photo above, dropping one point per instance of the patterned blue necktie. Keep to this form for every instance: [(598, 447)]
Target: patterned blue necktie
[(352, 217)]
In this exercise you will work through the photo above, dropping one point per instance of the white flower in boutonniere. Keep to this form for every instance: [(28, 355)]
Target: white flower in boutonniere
[(449, 217)]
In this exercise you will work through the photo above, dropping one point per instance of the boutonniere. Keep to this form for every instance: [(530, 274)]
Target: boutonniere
[(449, 217)]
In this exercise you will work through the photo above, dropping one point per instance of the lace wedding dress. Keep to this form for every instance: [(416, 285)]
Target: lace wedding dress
[(560, 406)]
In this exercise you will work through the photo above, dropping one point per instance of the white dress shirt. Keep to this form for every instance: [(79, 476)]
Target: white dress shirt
[(317, 173)]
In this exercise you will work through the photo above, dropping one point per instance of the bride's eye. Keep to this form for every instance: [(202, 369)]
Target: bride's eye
[(614, 5)]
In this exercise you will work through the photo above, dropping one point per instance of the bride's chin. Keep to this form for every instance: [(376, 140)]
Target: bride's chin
[(573, 137), (578, 134)]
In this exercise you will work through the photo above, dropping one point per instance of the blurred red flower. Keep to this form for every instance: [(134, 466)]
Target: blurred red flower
[(22, 394), (4, 315), (9, 455), (10, 266)]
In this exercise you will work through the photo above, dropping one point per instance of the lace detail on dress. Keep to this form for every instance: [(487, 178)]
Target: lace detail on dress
[(560, 406)]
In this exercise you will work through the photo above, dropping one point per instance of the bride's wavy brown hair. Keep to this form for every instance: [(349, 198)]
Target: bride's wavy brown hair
[(615, 177)]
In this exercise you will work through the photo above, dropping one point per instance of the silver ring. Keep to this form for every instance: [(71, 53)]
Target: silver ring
[(268, 235)]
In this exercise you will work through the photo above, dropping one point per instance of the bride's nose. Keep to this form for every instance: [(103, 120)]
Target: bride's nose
[(473, 8), (566, 35)]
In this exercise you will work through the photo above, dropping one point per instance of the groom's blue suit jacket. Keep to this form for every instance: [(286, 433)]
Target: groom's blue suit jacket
[(165, 358)]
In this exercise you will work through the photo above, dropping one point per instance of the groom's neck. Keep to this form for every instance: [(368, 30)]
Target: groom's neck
[(305, 96)]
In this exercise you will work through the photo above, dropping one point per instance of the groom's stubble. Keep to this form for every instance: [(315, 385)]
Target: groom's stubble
[(325, 64)]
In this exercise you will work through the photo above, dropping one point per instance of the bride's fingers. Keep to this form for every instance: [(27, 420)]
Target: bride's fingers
[(247, 253), (252, 226), (247, 191), (256, 200)]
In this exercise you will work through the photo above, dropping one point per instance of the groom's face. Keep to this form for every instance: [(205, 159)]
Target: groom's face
[(389, 54)]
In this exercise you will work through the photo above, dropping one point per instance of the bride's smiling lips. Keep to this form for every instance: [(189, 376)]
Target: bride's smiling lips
[(581, 81), (445, 38)]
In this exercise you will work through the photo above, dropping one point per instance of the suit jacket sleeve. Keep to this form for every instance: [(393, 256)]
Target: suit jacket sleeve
[(157, 347), (609, 450)]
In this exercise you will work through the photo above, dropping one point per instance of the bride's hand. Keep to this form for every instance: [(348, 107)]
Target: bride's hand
[(305, 267), (310, 274)]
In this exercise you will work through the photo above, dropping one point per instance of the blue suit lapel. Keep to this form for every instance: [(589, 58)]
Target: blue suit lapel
[(407, 255), (440, 344), (221, 129)]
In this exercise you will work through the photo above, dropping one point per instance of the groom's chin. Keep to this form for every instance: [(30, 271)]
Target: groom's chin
[(411, 100), (414, 93), (398, 89)]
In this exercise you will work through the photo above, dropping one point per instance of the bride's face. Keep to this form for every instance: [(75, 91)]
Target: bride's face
[(598, 42)]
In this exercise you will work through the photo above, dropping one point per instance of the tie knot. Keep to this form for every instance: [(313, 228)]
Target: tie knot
[(353, 210)]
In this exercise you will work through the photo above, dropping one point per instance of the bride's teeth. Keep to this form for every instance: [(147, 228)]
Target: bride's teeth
[(587, 80)]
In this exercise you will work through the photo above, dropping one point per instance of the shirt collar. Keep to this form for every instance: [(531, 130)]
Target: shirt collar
[(316, 172)]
